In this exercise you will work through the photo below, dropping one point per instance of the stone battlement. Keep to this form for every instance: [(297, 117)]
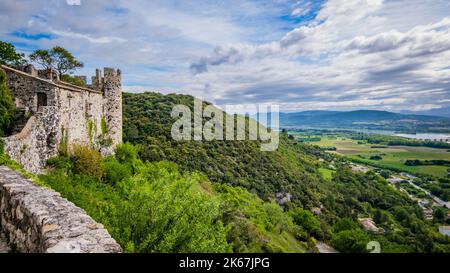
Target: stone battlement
[(108, 75), (38, 76)]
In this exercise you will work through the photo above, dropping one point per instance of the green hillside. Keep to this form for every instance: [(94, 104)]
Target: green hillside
[(290, 170)]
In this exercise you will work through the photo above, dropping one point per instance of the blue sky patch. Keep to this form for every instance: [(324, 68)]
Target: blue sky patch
[(34, 37)]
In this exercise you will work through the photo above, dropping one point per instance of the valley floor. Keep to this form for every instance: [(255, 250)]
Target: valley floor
[(391, 157)]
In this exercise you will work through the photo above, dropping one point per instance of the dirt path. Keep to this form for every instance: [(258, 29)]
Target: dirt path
[(324, 248)]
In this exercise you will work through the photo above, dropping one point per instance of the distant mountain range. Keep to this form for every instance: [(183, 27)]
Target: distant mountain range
[(443, 112), (365, 119)]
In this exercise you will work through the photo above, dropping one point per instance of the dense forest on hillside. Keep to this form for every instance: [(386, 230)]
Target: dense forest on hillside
[(147, 121)]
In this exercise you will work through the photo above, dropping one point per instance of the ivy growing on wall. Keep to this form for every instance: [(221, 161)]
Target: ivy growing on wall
[(104, 128), (92, 130), (63, 145), (105, 141)]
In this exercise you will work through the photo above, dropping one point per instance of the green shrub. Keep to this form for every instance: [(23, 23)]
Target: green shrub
[(61, 163), (307, 221), (257, 226), (116, 172), (156, 210), (345, 224), (87, 161), (350, 241), (126, 152), (376, 157), (7, 111)]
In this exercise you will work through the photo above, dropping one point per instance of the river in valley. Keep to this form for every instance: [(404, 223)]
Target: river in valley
[(426, 136)]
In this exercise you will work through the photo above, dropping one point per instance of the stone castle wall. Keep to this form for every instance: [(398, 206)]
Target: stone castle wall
[(23, 88), (37, 142), (71, 113), (113, 104), (38, 220)]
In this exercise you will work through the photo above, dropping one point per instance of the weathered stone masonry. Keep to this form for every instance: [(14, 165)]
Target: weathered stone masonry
[(38, 220), (59, 111)]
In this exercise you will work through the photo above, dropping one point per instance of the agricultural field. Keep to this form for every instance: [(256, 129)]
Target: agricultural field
[(389, 157)]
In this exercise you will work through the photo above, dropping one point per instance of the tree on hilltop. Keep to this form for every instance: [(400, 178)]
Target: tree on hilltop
[(43, 58), (64, 60), (57, 58)]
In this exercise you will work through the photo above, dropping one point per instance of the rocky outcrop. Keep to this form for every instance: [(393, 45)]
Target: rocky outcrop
[(36, 219)]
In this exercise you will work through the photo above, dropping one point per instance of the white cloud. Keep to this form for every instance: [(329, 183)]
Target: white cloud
[(95, 40), (73, 2), (424, 107), (302, 9)]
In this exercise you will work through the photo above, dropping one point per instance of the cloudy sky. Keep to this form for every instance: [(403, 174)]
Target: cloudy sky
[(335, 54)]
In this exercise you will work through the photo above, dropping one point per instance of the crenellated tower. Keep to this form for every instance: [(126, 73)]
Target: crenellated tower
[(112, 103)]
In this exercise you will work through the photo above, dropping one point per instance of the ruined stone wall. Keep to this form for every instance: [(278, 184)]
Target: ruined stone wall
[(37, 220), (23, 88), (72, 112), (79, 111), (37, 142)]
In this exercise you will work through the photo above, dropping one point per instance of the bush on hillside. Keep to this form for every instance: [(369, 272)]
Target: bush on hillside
[(307, 221), (60, 162), (116, 172), (126, 152), (157, 209), (350, 241), (87, 161)]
